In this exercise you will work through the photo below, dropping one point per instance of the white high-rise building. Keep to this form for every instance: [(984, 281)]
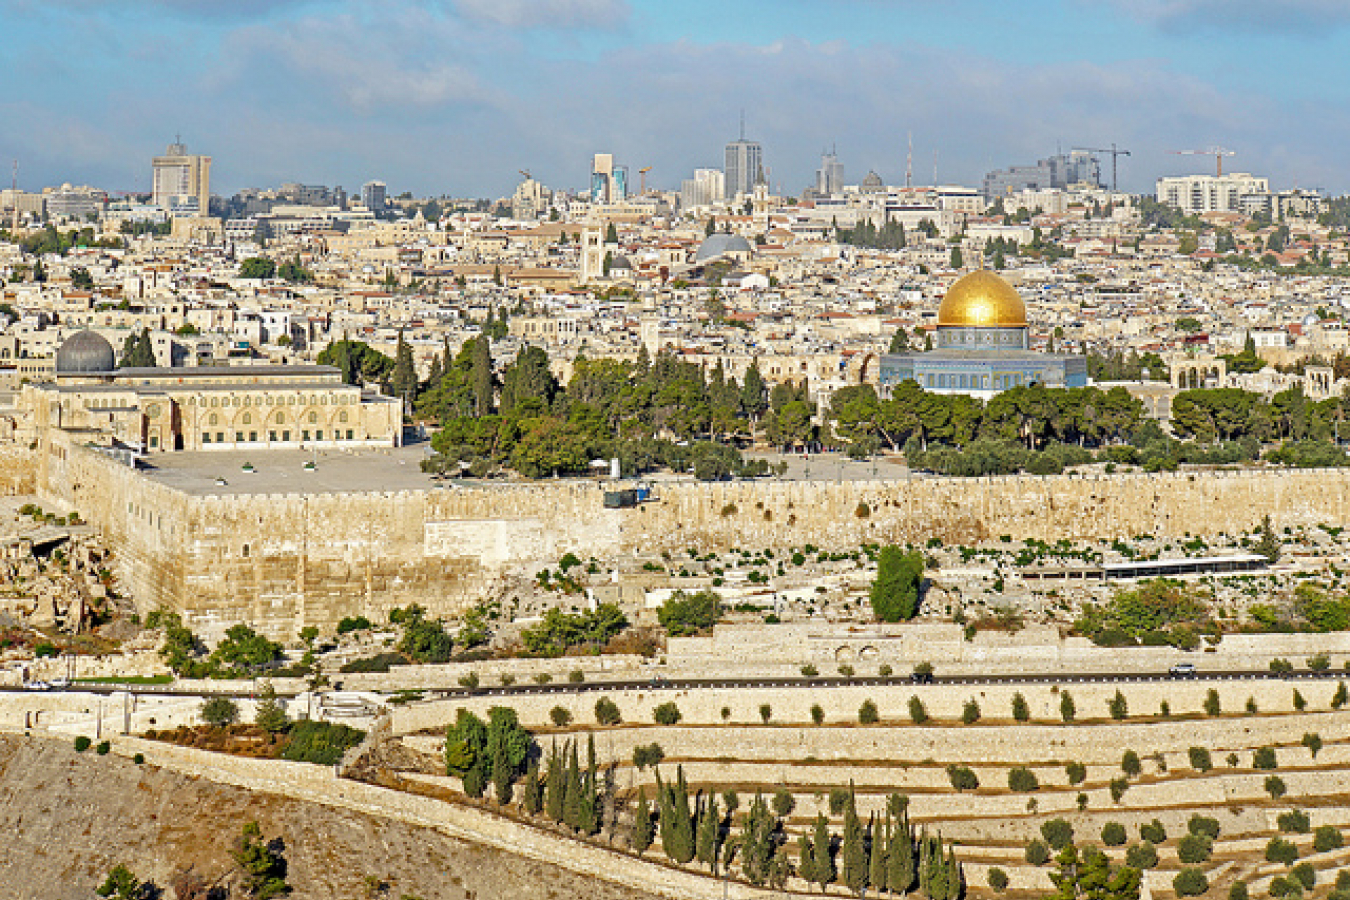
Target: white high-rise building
[(830, 175), (182, 180), (708, 186), (1210, 193)]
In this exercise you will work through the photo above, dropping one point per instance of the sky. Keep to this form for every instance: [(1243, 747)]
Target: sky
[(455, 97)]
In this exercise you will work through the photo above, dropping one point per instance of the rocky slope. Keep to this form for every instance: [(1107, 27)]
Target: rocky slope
[(68, 818)]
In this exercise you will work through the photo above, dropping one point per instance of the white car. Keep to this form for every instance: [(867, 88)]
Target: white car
[(36, 686)]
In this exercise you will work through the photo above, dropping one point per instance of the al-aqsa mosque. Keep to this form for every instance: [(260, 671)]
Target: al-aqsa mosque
[(982, 346)]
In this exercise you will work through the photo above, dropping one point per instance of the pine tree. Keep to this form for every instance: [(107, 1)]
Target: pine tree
[(554, 786), (806, 859), (708, 844), (854, 849), (822, 861), (481, 375), (644, 829), (1269, 545), (269, 715)]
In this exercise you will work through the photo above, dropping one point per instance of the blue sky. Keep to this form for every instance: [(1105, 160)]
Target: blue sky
[(454, 96)]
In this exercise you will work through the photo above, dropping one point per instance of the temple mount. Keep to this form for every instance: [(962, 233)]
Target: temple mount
[(982, 346)]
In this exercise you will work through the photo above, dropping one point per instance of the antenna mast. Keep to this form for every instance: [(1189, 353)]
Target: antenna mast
[(14, 198), (909, 163)]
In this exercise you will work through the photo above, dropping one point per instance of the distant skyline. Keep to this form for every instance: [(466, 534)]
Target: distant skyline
[(454, 96)]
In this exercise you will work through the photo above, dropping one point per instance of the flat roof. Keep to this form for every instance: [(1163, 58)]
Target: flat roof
[(336, 471)]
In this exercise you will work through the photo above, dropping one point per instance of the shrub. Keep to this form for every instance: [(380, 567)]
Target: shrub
[(1082, 801), (1275, 787), (1285, 888), (817, 713), (1113, 834), (1327, 838), (1319, 663), (381, 662), (839, 800), (1281, 851), (1305, 874), (542, 678), (867, 713), (765, 713), (469, 681), (82, 744), (1232, 760), (783, 802), (650, 755), (688, 614), (1153, 832), (970, 713), (1194, 848), (1118, 707), (607, 712), (667, 713), (1130, 764), (220, 711), (1076, 772), (1022, 780), (1281, 666), (846, 670), (103, 748), (1190, 883), (885, 671), (1118, 788), (1200, 759), (1341, 697), (1203, 826), (353, 623), (1300, 703), (560, 716), (1021, 712), (998, 879), (1238, 891), (1212, 707), (917, 714), (576, 676), (1251, 706), (139, 759), (1264, 758), (962, 778), (1294, 822), (1038, 854), (1142, 856), (1313, 742), (1067, 711), (321, 743), (809, 671), (1058, 833)]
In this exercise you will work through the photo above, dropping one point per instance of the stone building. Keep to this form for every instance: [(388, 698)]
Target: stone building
[(207, 407)]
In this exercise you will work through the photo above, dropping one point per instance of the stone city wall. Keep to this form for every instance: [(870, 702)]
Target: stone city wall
[(283, 561), (18, 470)]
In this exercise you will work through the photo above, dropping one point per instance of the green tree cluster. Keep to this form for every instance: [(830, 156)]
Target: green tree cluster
[(895, 592), (686, 614), (559, 631), (493, 753)]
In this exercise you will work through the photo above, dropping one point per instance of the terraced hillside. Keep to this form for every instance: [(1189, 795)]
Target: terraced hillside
[(1235, 781)]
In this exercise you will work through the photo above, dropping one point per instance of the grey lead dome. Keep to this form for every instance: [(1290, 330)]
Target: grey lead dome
[(85, 352)]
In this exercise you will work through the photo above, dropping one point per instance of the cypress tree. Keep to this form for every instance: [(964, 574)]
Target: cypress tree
[(403, 381), (502, 774), (554, 786), (757, 841), (877, 859), (854, 850), (708, 844), (822, 861), (481, 375), (900, 859), (681, 849), (531, 797), (572, 791), (643, 827), (806, 859)]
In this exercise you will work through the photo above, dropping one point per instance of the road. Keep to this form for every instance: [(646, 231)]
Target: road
[(722, 684)]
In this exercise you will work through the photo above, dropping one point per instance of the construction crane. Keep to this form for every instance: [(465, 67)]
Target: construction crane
[(1217, 152), (1115, 153), (643, 173)]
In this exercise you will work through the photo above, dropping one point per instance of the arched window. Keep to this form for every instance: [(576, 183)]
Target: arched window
[(215, 419), (248, 419), (342, 416), (313, 418)]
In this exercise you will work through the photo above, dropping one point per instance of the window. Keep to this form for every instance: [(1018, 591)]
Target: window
[(220, 437), (248, 419), (206, 437), (215, 419), (349, 434), (342, 416), (238, 437), (154, 441), (304, 435), (285, 435), (313, 418), (318, 435), (253, 435)]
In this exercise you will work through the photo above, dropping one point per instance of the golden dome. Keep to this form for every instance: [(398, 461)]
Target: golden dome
[(982, 300)]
